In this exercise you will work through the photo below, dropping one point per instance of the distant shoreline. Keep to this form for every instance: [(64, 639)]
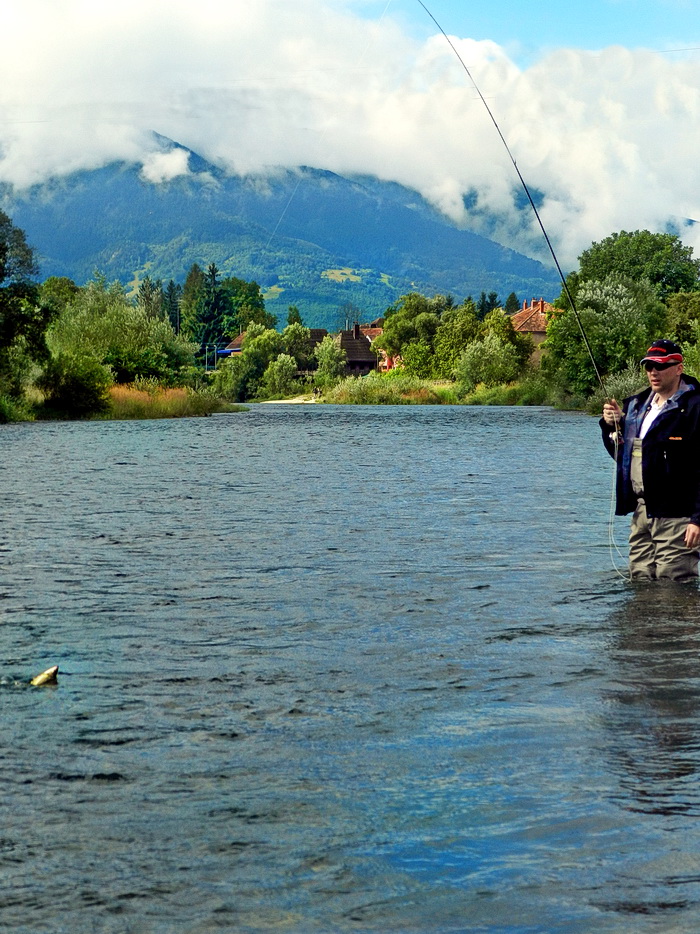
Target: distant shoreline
[(297, 400)]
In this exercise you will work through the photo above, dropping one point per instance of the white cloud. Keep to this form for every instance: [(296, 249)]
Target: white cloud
[(609, 136), (164, 166)]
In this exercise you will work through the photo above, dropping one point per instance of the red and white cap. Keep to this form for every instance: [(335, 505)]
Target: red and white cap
[(663, 351)]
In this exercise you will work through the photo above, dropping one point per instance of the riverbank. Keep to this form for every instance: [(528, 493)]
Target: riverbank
[(307, 399)]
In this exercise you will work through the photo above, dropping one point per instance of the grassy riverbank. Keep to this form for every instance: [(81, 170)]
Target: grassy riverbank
[(402, 389), (124, 402), (130, 402)]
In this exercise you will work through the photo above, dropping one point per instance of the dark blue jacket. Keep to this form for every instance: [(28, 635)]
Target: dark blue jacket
[(670, 455)]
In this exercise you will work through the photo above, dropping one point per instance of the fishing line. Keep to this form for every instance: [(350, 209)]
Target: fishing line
[(569, 296), (611, 537)]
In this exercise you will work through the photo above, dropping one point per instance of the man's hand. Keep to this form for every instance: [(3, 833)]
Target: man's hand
[(612, 413), (692, 536)]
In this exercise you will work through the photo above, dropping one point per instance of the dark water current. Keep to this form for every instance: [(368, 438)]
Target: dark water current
[(338, 670)]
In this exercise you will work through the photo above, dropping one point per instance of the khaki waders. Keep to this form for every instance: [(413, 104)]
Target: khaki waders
[(657, 546)]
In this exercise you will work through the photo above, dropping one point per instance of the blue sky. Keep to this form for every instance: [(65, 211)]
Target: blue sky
[(528, 29)]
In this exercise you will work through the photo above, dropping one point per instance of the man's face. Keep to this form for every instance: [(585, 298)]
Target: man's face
[(665, 381)]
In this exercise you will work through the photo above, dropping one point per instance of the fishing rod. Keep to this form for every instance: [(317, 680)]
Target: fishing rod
[(567, 291), (565, 284)]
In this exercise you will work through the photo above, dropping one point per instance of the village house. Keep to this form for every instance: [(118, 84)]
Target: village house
[(361, 359), (356, 342), (532, 320), (235, 346), (372, 332)]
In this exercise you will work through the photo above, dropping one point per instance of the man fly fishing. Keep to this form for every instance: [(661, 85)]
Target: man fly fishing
[(655, 439)]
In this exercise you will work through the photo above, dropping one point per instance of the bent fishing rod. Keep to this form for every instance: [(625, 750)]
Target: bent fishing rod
[(523, 183), (565, 284)]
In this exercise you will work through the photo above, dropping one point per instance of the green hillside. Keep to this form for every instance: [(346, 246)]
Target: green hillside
[(291, 231)]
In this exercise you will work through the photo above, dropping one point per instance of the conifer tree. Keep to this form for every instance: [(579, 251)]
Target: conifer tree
[(190, 307)]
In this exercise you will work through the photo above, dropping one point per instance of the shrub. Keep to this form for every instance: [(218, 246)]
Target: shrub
[(533, 390), (14, 410), (75, 387), (377, 389), (618, 386), (135, 402), (490, 361)]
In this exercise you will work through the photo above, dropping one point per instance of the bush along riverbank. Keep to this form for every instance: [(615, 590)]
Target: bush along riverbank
[(133, 402), (399, 388), (96, 351)]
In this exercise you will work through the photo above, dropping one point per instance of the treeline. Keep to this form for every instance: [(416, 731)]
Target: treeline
[(471, 343), (64, 348), (628, 290)]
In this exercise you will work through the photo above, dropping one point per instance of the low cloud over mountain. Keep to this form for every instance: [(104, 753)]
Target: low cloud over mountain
[(606, 137)]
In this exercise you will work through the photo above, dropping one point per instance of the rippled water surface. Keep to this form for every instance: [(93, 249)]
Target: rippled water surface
[(338, 670)]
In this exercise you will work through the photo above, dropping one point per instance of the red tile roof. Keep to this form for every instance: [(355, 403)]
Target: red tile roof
[(532, 319), (236, 342)]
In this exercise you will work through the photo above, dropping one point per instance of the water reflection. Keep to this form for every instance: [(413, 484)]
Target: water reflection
[(655, 700), (653, 724)]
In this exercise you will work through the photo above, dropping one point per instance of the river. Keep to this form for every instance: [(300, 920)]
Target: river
[(338, 669)]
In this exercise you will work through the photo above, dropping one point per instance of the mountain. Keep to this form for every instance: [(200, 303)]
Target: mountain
[(309, 237)]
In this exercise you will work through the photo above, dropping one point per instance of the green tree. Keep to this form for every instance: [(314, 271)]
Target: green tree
[(239, 378), (691, 348), (75, 386), (459, 326), (489, 361), (486, 304), (413, 318), (294, 316), (619, 317), (173, 301), (234, 376), (214, 309), (17, 262), (151, 298), (24, 317), (246, 306), (58, 291), (498, 322), (660, 258), (280, 375), (296, 340), (512, 305), (332, 360), (683, 315), (102, 324), (418, 359), (191, 304)]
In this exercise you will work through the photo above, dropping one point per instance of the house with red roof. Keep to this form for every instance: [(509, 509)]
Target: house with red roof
[(532, 320)]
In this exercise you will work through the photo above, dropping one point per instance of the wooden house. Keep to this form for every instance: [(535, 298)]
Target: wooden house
[(361, 359)]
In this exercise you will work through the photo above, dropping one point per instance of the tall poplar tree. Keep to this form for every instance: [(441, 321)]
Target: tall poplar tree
[(173, 301), (192, 296)]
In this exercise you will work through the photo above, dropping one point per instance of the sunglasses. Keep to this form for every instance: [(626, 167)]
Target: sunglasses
[(649, 366)]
